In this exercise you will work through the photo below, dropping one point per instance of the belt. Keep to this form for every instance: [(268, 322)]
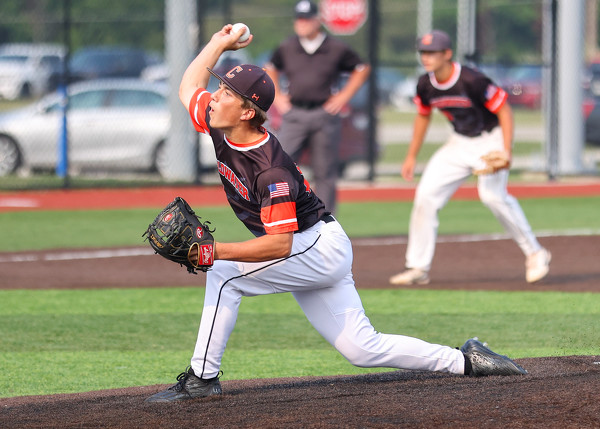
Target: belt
[(327, 217), (307, 104)]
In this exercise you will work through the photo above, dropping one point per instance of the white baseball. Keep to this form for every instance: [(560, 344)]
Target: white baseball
[(237, 27)]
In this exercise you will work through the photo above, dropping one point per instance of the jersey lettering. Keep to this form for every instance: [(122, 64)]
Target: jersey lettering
[(447, 102), (228, 174)]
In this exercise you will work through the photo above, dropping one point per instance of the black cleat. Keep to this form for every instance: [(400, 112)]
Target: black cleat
[(188, 387), (486, 362)]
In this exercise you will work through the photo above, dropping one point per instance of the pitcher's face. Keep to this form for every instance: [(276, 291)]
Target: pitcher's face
[(225, 108)]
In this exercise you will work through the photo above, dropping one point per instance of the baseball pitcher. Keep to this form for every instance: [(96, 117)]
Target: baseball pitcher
[(298, 246)]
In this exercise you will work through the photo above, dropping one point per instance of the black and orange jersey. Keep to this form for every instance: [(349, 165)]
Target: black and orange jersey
[(469, 99), (264, 187)]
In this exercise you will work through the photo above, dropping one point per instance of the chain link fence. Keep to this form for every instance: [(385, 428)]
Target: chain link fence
[(116, 128)]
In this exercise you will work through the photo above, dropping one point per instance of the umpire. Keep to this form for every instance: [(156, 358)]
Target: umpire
[(312, 63)]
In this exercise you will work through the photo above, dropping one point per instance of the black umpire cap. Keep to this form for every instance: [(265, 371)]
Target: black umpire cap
[(306, 9)]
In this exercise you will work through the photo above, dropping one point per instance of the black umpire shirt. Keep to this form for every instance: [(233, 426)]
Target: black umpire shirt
[(311, 77)]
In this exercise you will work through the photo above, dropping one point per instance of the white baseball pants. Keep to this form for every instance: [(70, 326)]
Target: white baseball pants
[(319, 276), (447, 169)]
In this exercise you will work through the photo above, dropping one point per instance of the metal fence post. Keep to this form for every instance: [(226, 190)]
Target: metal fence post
[(181, 38)]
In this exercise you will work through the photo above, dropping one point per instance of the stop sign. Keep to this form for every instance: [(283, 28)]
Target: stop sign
[(343, 16)]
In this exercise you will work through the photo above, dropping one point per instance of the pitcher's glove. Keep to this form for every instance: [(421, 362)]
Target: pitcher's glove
[(494, 161), (176, 231)]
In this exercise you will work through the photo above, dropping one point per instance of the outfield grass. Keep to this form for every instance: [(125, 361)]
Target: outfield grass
[(32, 230), (391, 115), (395, 153), (71, 341)]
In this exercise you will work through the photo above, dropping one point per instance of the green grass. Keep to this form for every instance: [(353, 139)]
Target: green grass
[(33, 230), (55, 341), (99, 228), (391, 115), (395, 153), (72, 341)]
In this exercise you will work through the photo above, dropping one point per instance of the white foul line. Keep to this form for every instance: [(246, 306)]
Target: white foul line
[(75, 255), (467, 238), (376, 241)]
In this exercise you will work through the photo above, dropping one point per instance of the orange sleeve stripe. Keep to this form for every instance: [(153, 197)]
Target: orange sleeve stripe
[(197, 109), (497, 101), (279, 218), (422, 110)]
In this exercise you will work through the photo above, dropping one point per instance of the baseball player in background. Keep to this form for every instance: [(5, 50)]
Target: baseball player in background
[(298, 246), (312, 62), (481, 144)]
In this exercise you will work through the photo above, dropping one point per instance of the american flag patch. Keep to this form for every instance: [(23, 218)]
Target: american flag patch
[(279, 189)]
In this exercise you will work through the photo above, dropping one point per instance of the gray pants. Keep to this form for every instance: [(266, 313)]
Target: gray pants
[(319, 132)]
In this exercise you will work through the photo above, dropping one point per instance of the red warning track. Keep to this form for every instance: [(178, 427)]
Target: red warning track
[(86, 199)]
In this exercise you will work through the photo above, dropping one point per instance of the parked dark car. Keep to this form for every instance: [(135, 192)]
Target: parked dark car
[(110, 62)]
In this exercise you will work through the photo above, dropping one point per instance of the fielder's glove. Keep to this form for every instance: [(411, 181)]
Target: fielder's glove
[(176, 231), (494, 161)]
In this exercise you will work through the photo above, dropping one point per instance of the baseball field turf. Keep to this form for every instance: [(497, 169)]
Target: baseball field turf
[(46, 229), (82, 340)]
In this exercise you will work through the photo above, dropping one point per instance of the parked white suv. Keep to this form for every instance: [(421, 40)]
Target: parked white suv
[(29, 69)]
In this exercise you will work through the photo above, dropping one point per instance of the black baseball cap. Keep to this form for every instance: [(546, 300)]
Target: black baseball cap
[(434, 41), (306, 9), (251, 82)]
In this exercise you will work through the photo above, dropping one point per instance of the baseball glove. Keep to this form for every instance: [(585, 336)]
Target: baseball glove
[(494, 161), (176, 231)]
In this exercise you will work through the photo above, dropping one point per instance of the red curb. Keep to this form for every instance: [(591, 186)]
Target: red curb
[(546, 190)]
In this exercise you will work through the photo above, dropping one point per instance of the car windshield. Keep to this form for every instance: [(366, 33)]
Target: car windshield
[(87, 100), (138, 98), (102, 98)]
